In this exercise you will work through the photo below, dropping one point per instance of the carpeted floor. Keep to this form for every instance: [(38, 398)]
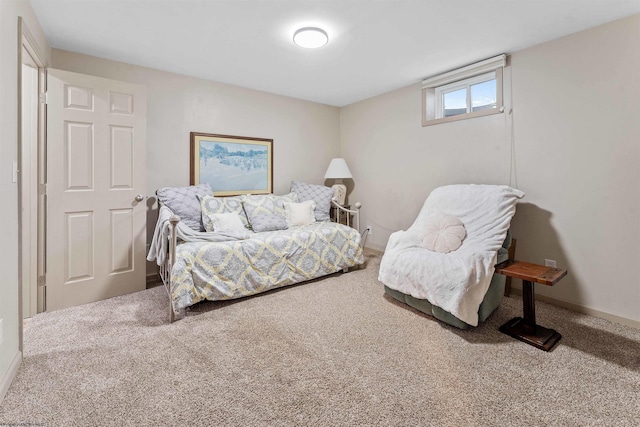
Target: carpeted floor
[(331, 352)]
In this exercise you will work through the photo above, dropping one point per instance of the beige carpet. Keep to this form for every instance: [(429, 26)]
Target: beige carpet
[(331, 352)]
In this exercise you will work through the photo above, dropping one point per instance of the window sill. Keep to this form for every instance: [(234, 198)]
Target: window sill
[(463, 116)]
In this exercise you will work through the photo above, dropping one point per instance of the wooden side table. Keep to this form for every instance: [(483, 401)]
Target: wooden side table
[(525, 328)]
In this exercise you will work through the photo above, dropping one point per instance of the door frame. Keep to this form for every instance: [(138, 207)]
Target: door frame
[(27, 44)]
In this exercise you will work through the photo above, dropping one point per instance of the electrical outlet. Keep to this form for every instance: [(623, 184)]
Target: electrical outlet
[(370, 230), (550, 263), (1, 331)]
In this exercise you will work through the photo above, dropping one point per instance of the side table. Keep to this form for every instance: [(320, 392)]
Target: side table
[(525, 328)]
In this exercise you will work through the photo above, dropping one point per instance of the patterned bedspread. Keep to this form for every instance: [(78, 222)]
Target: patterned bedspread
[(237, 268)]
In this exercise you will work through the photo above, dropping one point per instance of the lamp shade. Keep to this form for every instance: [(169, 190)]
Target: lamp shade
[(338, 169)]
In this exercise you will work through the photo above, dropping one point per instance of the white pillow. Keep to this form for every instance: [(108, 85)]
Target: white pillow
[(443, 233), (223, 222), (300, 213), (318, 193)]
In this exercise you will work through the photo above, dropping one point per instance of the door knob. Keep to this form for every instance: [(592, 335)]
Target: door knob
[(139, 198)]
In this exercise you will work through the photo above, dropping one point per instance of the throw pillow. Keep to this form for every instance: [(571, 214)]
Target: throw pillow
[(211, 205), (183, 202), (267, 222), (320, 194), (279, 201), (257, 205), (443, 233), (227, 222), (300, 213)]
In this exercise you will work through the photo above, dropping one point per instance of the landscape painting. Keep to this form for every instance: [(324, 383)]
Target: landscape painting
[(232, 165)]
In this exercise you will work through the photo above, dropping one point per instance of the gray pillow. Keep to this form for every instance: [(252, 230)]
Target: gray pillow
[(183, 202), (318, 193), (268, 222), (256, 205)]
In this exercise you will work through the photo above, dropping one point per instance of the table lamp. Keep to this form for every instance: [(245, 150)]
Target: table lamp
[(338, 170)]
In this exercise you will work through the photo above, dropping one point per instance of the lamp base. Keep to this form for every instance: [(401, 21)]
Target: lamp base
[(339, 193)]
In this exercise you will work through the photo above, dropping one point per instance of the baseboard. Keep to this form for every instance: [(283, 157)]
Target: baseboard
[(582, 309), (152, 278), (369, 250), (6, 381), (375, 248)]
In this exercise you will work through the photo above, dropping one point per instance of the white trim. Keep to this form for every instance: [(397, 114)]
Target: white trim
[(582, 309), (5, 382), (375, 248), (27, 44), (153, 279), (31, 43), (466, 84), (429, 104), (465, 72)]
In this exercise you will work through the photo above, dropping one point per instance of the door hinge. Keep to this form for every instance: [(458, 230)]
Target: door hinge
[(42, 280), (44, 98), (42, 189)]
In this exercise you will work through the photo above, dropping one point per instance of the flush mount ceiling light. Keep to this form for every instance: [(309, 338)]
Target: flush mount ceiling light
[(310, 37)]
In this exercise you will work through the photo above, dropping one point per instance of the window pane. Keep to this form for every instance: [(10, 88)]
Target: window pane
[(455, 102), (483, 95)]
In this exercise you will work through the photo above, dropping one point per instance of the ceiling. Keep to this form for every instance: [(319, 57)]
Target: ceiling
[(375, 46)]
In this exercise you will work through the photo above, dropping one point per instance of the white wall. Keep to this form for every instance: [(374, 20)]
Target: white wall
[(9, 13), (306, 134), (576, 113), (396, 162), (577, 126)]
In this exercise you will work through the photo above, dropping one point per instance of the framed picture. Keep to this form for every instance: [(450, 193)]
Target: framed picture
[(232, 165)]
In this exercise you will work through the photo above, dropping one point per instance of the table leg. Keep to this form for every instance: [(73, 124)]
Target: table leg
[(528, 303), (525, 329)]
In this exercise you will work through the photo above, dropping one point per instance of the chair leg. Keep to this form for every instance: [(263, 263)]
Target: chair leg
[(512, 256)]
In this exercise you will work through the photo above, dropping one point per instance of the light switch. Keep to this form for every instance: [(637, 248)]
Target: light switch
[(14, 177)]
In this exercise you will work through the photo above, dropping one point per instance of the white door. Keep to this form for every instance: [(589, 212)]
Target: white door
[(96, 187)]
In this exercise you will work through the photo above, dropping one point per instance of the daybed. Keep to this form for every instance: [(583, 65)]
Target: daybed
[(443, 265), (220, 248)]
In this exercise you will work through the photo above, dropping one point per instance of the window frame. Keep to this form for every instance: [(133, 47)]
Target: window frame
[(441, 91), (435, 87)]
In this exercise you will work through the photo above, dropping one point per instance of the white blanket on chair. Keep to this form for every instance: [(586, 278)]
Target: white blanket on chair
[(457, 281)]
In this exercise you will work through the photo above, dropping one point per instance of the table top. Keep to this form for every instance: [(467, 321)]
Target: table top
[(532, 272)]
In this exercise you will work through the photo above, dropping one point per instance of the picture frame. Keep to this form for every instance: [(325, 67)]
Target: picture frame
[(232, 165)]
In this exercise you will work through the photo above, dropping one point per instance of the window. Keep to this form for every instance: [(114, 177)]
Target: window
[(466, 96), (471, 91)]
